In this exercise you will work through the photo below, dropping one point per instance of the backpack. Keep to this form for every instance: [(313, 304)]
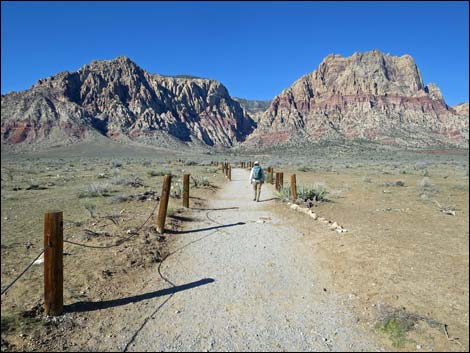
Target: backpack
[(257, 172)]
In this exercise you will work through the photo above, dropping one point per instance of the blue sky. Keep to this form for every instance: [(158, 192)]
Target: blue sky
[(256, 49)]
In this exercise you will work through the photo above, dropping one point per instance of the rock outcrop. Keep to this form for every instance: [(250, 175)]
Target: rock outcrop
[(462, 109), (119, 100), (255, 108), (369, 96)]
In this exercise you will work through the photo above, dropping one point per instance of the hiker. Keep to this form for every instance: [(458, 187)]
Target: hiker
[(257, 179)]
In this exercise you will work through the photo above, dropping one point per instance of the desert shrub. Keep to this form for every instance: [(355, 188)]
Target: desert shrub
[(33, 184), (176, 189), (118, 198), (189, 163), (212, 170), (154, 173), (200, 182), (95, 190), (90, 207), (425, 172), (425, 183), (421, 165), (146, 163), (304, 168), (367, 180), (117, 180), (116, 164), (317, 192)]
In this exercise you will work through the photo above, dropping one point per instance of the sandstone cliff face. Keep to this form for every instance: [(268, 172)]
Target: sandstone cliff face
[(367, 95), (118, 99), (462, 109), (255, 108)]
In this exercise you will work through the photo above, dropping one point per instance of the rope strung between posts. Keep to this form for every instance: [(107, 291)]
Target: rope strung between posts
[(119, 242), (84, 245), (24, 271)]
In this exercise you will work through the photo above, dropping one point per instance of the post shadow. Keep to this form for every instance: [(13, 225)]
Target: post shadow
[(204, 229), (214, 209), (271, 199), (106, 304)]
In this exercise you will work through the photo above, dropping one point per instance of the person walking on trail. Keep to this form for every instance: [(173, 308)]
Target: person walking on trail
[(257, 179)]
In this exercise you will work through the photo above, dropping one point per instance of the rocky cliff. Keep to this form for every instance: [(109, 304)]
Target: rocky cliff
[(119, 100), (255, 108), (371, 96), (462, 109)]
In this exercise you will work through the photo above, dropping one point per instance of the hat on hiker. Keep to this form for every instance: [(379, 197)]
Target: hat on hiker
[(256, 163)]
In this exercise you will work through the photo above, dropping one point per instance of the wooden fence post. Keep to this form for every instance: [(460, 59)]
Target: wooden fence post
[(163, 204), (277, 181), (281, 180), (293, 187), (53, 264), (186, 190), (229, 172), (271, 175)]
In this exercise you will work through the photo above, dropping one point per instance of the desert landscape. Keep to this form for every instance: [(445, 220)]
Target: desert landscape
[(372, 254)]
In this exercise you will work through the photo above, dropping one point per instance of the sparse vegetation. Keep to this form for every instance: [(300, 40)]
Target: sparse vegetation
[(116, 164), (154, 173), (95, 190), (199, 182), (396, 330), (90, 207), (425, 183)]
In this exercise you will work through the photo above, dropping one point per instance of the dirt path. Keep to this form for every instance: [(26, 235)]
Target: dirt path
[(242, 281)]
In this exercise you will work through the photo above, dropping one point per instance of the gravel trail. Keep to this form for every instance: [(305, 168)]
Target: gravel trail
[(243, 282)]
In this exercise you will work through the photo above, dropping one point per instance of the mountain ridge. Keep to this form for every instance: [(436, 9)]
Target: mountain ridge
[(371, 95)]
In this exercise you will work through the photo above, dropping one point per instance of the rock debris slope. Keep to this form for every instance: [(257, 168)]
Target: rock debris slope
[(372, 96), (119, 100)]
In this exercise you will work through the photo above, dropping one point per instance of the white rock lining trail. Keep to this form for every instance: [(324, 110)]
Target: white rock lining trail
[(332, 225), (247, 283)]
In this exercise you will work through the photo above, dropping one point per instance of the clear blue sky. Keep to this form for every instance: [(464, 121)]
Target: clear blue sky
[(256, 49)]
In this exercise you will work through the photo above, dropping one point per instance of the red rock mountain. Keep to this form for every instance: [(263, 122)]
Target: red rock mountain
[(119, 100), (368, 95)]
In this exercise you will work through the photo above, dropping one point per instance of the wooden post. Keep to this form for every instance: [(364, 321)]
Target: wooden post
[(186, 190), (277, 181), (53, 264), (281, 180), (271, 175), (229, 172), (293, 187), (163, 204)]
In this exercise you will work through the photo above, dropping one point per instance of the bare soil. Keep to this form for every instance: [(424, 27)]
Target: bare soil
[(402, 257)]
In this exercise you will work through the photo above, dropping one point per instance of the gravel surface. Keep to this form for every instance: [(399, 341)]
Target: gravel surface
[(244, 282)]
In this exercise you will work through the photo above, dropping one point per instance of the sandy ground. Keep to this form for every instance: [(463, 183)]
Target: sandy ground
[(241, 280), (246, 276), (403, 260)]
